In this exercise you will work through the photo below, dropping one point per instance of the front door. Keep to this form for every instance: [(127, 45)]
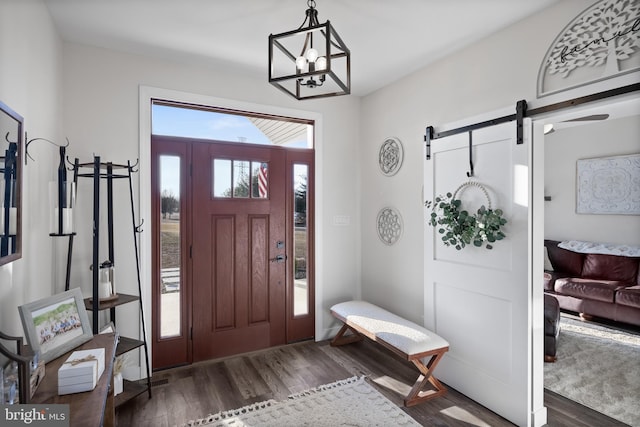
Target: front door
[(478, 299), (239, 248)]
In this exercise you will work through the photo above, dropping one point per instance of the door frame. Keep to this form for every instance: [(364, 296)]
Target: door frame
[(540, 115), (149, 93)]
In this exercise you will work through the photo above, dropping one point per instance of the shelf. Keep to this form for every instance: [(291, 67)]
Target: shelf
[(100, 170), (130, 389), (104, 305), (127, 344)]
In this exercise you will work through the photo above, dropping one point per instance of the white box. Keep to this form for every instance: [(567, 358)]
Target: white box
[(81, 371)]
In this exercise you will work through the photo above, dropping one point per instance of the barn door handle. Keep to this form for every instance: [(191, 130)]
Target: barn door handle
[(279, 258)]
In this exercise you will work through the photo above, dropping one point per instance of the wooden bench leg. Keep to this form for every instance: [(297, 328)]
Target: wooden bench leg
[(341, 339), (417, 393)]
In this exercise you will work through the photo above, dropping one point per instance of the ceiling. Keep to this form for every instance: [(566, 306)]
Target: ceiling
[(388, 40)]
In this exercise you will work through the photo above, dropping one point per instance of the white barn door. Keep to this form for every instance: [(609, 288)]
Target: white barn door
[(478, 299)]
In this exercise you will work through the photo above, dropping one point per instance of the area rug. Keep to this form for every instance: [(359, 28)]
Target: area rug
[(350, 402), (598, 367)]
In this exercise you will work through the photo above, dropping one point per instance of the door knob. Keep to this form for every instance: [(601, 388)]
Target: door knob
[(279, 258)]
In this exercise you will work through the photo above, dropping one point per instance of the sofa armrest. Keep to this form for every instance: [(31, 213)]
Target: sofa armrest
[(550, 278)]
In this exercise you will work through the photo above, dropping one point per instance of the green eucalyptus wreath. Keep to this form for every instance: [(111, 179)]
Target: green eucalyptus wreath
[(459, 228)]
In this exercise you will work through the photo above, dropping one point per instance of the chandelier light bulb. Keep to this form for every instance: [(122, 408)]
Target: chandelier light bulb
[(312, 55), (321, 63), (301, 63)]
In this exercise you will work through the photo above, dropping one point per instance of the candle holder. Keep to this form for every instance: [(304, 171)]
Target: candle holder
[(62, 199), (106, 282)]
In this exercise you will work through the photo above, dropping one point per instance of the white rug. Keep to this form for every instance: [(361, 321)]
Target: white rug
[(598, 367), (350, 402)]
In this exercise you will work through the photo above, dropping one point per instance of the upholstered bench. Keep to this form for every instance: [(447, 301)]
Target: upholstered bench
[(406, 339)]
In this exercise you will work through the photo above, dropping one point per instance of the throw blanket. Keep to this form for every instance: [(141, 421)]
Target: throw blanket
[(600, 248)]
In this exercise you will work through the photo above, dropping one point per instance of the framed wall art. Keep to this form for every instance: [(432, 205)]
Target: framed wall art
[(600, 44), (609, 185), (57, 324)]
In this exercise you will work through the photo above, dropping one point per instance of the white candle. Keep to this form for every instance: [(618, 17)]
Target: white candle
[(105, 289), (13, 221), (67, 221)]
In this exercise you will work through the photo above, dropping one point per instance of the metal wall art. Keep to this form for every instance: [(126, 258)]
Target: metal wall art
[(609, 185), (390, 226), (390, 156), (601, 43)]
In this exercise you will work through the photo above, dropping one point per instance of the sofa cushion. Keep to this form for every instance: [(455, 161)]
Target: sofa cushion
[(599, 290), (563, 260), (629, 296), (610, 267)]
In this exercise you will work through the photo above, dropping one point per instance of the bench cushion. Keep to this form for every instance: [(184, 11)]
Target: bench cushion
[(404, 335)]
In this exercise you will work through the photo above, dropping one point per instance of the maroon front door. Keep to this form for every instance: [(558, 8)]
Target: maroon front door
[(238, 251)]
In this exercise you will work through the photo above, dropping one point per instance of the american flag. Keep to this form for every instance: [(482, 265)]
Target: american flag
[(262, 180)]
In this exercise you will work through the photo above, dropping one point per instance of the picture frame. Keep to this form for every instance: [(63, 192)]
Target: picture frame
[(109, 328), (56, 324), (608, 185)]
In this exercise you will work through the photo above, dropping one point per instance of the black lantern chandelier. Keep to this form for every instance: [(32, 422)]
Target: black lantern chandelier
[(310, 62)]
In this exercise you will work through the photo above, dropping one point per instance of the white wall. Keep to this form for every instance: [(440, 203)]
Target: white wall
[(30, 84), (492, 74), (562, 149), (101, 116)]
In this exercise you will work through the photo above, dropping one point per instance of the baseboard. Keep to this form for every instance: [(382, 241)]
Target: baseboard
[(539, 417), (328, 333)]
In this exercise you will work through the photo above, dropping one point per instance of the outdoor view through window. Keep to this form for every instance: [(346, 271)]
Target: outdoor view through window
[(233, 178)]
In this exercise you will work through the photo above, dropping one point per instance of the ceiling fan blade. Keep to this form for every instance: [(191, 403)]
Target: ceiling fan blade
[(589, 118)]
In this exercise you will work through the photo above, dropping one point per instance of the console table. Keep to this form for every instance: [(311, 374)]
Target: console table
[(91, 408)]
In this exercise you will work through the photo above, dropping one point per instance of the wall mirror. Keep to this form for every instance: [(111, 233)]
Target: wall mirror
[(11, 132)]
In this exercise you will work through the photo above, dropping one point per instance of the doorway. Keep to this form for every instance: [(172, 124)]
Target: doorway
[(604, 129), (243, 221)]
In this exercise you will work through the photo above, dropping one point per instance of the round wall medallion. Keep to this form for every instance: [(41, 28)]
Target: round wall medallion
[(390, 156), (390, 226)]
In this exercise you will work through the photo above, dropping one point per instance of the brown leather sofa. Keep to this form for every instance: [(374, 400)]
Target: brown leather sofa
[(606, 286)]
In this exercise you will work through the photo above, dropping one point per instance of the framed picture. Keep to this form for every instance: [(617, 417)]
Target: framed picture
[(108, 328), (57, 324), (609, 185)]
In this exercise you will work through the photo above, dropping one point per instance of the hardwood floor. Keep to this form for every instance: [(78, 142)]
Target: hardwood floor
[(195, 391)]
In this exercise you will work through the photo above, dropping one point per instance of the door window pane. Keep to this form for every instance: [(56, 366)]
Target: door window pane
[(260, 180), (240, 179), (300, 244), (170, 273), (221, 178), (241, 176)]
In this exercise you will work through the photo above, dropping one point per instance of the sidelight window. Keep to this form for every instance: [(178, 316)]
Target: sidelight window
[(170, 258)]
